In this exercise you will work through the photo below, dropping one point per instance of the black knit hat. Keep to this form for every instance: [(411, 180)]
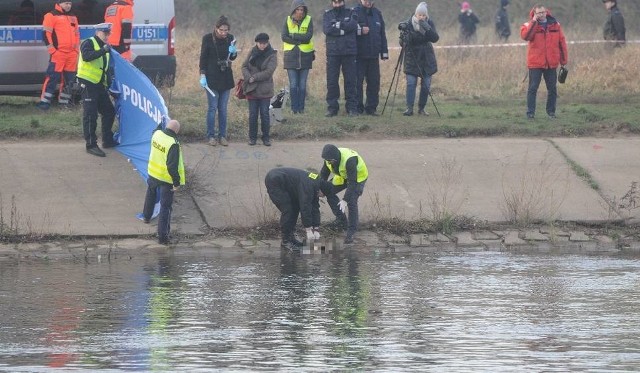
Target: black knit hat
[(330, 152), (262, 37)]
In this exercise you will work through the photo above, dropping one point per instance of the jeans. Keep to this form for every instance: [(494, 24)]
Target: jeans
[(219, 104), (259, 106), (298, 88), (425, 87), (369, 72), (352, 205), (348, 65), (550, 79), (166, 202)]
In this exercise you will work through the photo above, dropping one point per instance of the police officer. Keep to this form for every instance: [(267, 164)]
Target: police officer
[(166, 175), (296, 192), (120, 15), (62, 37), (372, 46), (340, 25), (95, 74), (350, 173)]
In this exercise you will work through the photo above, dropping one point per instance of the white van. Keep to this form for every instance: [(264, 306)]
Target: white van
[(24, 58)]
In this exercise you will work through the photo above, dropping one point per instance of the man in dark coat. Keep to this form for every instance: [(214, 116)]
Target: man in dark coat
[(614, 26), (372, 46), (340, 25), (296, 192), (503, 29)]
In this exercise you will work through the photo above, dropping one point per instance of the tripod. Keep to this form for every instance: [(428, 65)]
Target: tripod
[(396, 79)]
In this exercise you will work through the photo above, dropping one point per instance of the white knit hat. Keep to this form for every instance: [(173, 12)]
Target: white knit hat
[(421, 9)]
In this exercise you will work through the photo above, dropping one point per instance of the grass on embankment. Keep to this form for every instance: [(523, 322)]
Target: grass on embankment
[(479, 92)]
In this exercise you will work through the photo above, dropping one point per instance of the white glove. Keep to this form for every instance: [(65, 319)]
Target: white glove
[(316, 233), (342, 205), (338, 24), (310, 235)]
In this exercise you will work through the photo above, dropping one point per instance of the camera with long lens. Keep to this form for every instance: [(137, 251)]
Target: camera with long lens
[(223, 65), (404, 26)]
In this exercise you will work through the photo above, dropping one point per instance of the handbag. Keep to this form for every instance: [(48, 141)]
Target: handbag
[(562, 74), (238, 91)]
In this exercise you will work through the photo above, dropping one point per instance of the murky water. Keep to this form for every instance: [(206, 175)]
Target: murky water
[(361, 311)]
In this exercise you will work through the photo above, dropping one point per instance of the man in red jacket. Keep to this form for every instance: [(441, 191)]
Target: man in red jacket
[(546, 50), (120, 15), (61, 35)]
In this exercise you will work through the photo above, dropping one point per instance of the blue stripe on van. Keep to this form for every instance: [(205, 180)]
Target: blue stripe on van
[(33, 34)]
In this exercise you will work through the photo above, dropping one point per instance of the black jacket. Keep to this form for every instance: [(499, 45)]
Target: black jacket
[(213, 62), (419, 56), (340, 26), (292, 185), (373, 44), (614, 26)]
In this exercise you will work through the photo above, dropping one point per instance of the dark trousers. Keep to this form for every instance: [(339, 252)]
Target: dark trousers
[(95, 99), (166, 201), (349, 75), (259, 106), (550, 79), (369, 72), (289, 210), (352, 204)]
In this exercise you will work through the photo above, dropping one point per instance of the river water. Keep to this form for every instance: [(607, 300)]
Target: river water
[(353, 310)]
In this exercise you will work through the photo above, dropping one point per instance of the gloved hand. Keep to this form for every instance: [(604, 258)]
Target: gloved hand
[(106, 47), (203, 80), (233, 49), (310, 235), (342, 205), (316, 233)]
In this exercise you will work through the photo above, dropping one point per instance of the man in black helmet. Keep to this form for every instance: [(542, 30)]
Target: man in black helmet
[(350, 173), (296, 192)]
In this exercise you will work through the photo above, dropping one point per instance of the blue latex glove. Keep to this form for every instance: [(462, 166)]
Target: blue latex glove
[(203, 80), (232, 49)]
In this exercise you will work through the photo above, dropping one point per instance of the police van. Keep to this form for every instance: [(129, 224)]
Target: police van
[(24, 58)]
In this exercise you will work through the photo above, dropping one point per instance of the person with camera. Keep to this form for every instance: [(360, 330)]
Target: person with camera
[(217, 51), (614, 26), (257, 71), (372, 46), (468, 21), (546, 49), (340, 25), (416, 37)]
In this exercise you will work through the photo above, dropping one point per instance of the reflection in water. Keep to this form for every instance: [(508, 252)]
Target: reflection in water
[(347, 310)]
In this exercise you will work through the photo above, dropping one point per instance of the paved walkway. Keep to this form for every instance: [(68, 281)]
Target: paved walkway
[(55, 188)]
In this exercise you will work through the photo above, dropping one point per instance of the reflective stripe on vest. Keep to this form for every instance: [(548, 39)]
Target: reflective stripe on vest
[(160, 144), (340, 176), (93, 70), (294, 29)]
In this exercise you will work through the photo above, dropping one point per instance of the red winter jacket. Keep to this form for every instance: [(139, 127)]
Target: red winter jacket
[(547, 46)]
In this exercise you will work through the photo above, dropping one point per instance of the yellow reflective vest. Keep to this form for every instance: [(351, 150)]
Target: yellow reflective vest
[(93, 70), (302, 29), (340, 176), (160, 144)]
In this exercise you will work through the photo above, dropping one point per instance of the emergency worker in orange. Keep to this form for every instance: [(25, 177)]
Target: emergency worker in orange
[(120, 15), (61, 35), (546, 49)]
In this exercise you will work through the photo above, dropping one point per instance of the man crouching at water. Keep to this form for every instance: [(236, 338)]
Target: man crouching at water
[(296, 192), (166, 174)]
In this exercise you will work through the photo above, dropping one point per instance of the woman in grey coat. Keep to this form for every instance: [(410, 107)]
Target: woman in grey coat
[(257, 71)]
